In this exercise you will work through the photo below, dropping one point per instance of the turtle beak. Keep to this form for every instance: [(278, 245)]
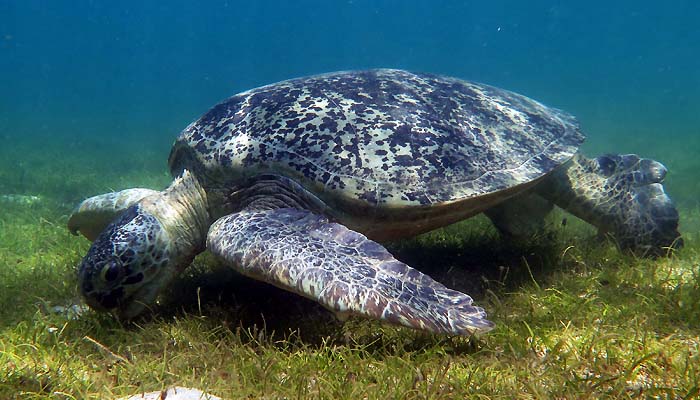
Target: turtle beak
[(104, 301), (116, 302)]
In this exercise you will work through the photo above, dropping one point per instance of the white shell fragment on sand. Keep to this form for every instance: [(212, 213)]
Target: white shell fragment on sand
[(174, 393)]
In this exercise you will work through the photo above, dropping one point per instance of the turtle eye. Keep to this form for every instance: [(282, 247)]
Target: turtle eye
[(110, 271)]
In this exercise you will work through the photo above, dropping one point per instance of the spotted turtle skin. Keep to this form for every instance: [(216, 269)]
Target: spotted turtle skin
[(386, 138)]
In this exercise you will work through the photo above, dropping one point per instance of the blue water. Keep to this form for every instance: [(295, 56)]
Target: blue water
[(128, 70)]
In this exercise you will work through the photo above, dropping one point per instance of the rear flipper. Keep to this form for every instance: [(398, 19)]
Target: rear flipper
[(93, 215), (521, 217), (347, 273), (622, 195)]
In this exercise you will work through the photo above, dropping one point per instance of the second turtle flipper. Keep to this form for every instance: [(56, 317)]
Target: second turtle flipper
[(347, 273), (93, 214)]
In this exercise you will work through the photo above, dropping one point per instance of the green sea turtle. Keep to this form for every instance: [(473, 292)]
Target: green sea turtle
[(293, 184)]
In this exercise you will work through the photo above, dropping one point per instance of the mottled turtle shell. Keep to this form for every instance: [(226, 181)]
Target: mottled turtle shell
[(388, 138)]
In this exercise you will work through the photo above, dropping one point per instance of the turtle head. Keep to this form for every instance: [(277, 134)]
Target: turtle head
[(128, 264), (149, 244)]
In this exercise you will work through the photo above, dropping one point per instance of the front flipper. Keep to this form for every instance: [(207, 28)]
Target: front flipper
[(93, 215), (347, 273)]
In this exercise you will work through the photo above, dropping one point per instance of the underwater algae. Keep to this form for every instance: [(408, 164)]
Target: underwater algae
[(574, 316)]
